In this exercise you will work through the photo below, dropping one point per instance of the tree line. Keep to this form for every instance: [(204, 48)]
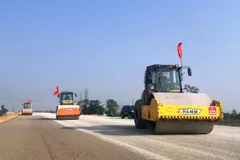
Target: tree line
[(91, 107), (233, 115), (231, 118), (96, 107), (111, 107)]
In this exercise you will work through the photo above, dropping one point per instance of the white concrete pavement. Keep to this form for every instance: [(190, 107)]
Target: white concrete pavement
[(223, 143)]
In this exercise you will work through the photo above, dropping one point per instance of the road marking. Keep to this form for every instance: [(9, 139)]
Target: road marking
[(144, 153)]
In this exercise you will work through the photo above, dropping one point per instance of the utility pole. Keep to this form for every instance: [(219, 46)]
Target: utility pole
[(133, 102), (86, 93), (80, 97)]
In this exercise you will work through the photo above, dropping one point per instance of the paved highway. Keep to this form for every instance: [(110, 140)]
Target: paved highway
[(42, 137)]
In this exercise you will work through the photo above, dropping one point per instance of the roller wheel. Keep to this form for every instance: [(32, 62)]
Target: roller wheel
[(139, 122)]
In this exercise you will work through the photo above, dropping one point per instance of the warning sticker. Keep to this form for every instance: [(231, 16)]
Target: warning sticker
[(69, 110), (212, 110)]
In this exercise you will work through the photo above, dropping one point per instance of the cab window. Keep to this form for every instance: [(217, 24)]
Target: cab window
[(67, 96)]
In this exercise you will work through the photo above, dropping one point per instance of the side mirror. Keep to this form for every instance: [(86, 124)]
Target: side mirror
[(189, 72)]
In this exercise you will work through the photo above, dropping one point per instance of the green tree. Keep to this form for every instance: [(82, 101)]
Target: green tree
[(84, 105), (3, 110), (234, 114), (238, 116), (95, 107), (112, 107), (227, 116), (91, 107), (191, 89)]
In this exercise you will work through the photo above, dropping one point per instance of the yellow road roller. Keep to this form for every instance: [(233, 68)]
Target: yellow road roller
[(164, 107)]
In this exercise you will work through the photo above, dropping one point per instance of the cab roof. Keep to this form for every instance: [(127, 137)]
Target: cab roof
[(158, 66), (66, 92)]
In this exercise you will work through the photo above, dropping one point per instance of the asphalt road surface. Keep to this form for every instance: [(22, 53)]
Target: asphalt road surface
[(91, 138)]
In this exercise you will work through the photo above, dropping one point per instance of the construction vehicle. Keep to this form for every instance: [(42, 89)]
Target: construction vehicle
[(27, 108), (164, 108), (66, 108)]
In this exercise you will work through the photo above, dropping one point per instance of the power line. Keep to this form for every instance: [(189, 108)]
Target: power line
[(25, 91), (24, 99)]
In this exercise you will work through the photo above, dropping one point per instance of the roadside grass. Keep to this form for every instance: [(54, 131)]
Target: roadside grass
[(9, 116)]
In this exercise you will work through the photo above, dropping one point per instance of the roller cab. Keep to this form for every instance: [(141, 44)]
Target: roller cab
[(165, 108), (66, 109)]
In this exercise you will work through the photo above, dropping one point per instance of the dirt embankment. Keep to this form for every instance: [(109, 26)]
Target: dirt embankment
[(9, 116)]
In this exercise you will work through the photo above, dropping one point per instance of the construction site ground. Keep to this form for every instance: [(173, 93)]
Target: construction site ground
[(97, 137)]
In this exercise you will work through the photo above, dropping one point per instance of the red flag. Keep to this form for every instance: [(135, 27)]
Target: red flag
[(179, 49), (56, 91), (29, 101)]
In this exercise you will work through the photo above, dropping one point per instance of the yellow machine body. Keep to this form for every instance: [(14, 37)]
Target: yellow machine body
[(182, 113)]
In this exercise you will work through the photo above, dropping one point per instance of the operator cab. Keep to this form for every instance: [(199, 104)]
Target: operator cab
[(27, 105), (164, 78), (66, 97)]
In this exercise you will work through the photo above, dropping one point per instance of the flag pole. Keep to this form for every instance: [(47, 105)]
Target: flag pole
[(179, 50)]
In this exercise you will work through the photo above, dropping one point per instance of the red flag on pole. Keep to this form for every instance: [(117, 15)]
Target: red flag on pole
[(29, 101), (179, 49), (56, 91)]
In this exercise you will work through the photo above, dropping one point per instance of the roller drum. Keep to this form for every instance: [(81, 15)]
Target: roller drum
[(181, 127)]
